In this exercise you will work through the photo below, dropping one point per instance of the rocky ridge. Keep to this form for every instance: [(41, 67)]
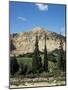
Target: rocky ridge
[(24, 42)]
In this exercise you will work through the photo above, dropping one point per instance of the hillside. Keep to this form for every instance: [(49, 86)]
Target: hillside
[(24, 42)]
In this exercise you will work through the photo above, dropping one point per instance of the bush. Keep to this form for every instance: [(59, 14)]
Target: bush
[(52, 66), (14, 67), (26, 55), (23, 68)]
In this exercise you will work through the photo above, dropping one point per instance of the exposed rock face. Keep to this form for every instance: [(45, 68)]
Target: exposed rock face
[(24, 42)]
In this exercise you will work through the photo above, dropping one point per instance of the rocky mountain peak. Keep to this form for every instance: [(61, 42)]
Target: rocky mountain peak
[(24, 42), (39, 30)]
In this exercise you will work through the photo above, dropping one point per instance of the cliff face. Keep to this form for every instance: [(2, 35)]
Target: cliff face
[(24, 42)]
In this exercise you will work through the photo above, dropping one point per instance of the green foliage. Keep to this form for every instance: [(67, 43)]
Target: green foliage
[(12, 46), (23, 68), (45, 57), (25, 60), (53, 56), (25, 65), (52, 66), (62, 59), (26, 55), (14, 67), (36, 63)]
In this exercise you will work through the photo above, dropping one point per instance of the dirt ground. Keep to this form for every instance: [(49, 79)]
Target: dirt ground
[(36, 82)]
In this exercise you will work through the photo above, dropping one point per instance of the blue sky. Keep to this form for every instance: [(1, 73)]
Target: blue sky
[(25, 16)]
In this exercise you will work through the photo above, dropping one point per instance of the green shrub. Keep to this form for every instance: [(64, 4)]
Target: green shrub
[(14, 66), (23, 68)]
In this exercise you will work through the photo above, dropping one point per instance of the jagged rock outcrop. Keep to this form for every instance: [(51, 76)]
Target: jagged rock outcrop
[(24, 42)]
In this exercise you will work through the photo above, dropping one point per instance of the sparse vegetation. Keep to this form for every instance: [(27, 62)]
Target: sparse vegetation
[(38, 67)]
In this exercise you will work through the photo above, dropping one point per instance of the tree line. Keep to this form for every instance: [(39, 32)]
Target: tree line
[(37, 66)]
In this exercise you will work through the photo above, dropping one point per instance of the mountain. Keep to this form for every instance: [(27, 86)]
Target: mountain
[(24, 42)]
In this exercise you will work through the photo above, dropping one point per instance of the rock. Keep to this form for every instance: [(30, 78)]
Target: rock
[(54, 81), (24, 42)]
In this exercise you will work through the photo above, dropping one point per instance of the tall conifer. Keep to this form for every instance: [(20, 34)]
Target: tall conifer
[(36, 64), (45, 57)]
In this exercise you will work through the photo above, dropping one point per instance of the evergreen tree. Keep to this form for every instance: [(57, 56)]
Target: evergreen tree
[(62, 60), (36, 63), (45, 57), (12, 47), (14, 67)]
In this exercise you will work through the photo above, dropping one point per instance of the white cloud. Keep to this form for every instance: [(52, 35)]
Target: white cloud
[(22, 18), (42, 7)]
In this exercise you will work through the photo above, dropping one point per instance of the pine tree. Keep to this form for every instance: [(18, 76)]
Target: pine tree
[(12, 46), (45, 57), (62, 61), (36, 63)]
